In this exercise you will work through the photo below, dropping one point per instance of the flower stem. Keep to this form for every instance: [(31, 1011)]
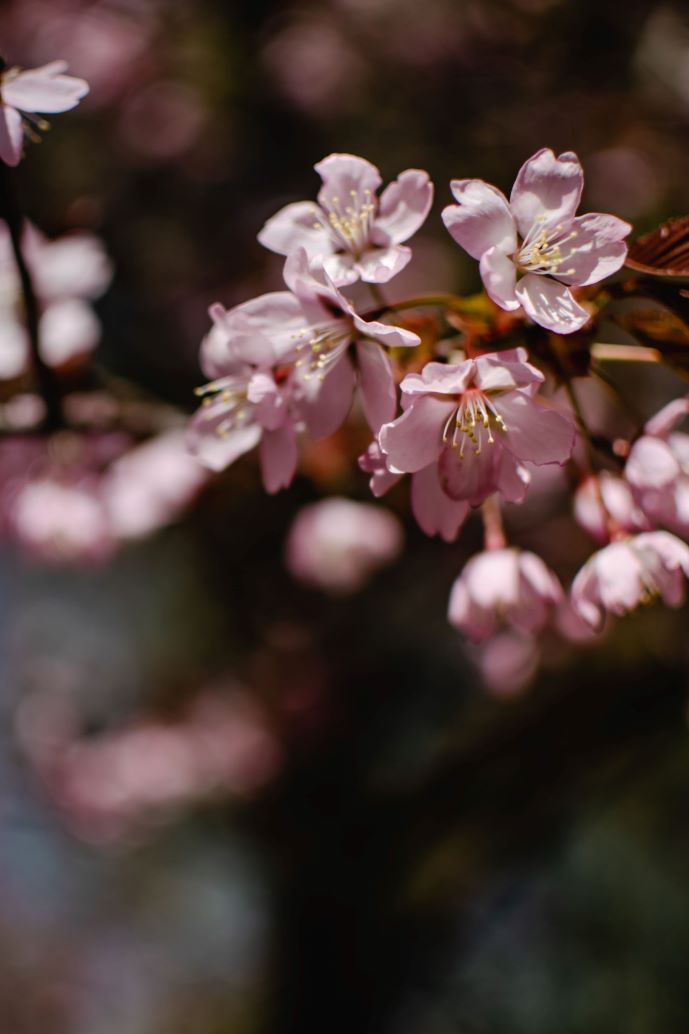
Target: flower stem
[(493, 531), (45, 377)]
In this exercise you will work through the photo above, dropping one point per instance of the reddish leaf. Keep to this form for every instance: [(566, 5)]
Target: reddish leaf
[(664, 251)]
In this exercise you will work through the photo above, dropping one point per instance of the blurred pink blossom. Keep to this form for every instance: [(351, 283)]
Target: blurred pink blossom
[(336, 544), (629, 572), (503, 587), (23, 94), (602, 500), (657, 468)]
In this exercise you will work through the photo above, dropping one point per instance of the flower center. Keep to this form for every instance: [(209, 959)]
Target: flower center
[(545, 252), (229, 396), (474, 419), (350, 225), (320, 348)]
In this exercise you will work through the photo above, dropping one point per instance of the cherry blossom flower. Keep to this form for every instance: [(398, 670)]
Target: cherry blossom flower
[(336, 544), (657, 468), (533, 248), (355, 234), (629, 572), (68, 273), (61, 521), (604, 500), (503, 587), (25, 93), (478, 421), (434, 511)]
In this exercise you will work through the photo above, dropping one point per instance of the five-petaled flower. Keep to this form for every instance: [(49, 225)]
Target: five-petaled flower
[(23, 94), (478, 420), (533, 248), (353, 233)]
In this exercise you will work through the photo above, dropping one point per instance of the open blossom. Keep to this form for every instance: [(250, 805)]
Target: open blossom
[(23, 94), (337, 543), (630, 572), (479, 422), (355, 234), (657, 468), (503, 587), (533, 248)]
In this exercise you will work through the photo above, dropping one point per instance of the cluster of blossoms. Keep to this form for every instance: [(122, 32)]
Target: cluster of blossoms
[(470, 423)]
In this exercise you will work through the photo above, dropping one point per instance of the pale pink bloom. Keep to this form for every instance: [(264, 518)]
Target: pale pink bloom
[(23, 94), (602, 500), (68, 273), (435, 512), (150, 485), (61, 521), (533, 248), (657, 468), (508, 661), (630, 572), (478, 420), (336, 544), (355, 234), (312, 327), (503, 587)]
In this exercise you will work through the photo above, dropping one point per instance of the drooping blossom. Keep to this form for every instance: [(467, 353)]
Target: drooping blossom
[(603, 502), (434, 511), (534, 248), (629, 572), (23, 94), (336, 544), (503, 587), (657, 468), (355, 234), (281, 361), (479, 422), (68, 273)]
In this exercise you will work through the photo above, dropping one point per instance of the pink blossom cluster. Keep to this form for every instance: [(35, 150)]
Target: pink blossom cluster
[(471, 426), (77, 498)]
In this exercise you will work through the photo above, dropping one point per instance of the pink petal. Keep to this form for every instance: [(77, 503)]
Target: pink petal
[(470, 476), (404, 205), (440, 378), (377, 384), (266, 396), (512, 479), (342, 268), (378, 265), (44, 89), (550, 304), (504, 371), (465, 614), (392, 337), (481, 220), (673, 552), (327, 409), (651, 464), (299, 225), (343, 173), (278, 452), (414, 440), (547, 190), (668, 417), (11, 135), (219, 451), (499, 276), (597, 251), (435, 512), (534, 433), (373, 462)]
